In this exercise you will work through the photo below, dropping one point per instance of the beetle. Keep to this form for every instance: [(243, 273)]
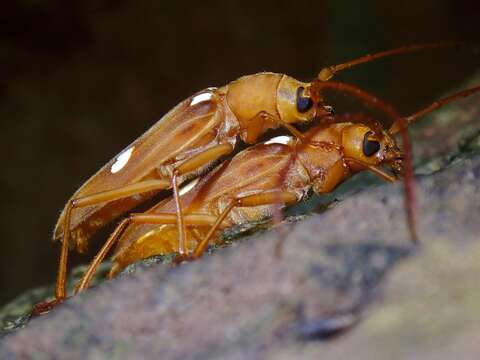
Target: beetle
[(191, 138), (248, 187)]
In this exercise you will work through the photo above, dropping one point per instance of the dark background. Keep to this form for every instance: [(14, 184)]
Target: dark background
[(81, 80)]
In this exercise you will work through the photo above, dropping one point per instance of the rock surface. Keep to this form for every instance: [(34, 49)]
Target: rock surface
[(350, 271)]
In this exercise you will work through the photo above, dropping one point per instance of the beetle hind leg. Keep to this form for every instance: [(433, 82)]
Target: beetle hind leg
[(105, 196), (264, 198), (152, 219)]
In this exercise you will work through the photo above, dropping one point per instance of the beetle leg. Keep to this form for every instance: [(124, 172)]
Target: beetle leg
[(186, 167), (359, 93), (277, 215), (256, 126), (410, 199), (265, 198), (204, 158), (182, 244), (110, 195), (374, 169), (160, 219), (293, 130)]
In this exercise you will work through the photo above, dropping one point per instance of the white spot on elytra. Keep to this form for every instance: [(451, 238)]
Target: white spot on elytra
[(185, 189), (122, 160), (279, 140), (201, 98)]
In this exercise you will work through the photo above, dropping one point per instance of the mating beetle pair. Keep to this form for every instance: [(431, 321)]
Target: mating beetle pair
[(252, 185)]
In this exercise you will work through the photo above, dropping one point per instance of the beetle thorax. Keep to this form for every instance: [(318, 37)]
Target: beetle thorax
[(252, 99), (322, 157)]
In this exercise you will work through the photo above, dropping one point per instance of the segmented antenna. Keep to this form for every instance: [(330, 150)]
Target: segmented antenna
[(404, 122), (367, 97), (327, 73)]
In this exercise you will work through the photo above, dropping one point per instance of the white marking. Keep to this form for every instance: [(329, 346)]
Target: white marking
[(185, 189), (283, 139), (201, 98), (122, 160)]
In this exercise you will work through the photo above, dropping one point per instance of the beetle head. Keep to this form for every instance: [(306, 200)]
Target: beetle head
[(365, 147), (297, 102)]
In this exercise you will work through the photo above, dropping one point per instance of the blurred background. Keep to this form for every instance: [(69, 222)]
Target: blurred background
[(82, 79)]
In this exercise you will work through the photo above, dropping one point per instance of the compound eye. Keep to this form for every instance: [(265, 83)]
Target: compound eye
[(303, 103), (370, 146)]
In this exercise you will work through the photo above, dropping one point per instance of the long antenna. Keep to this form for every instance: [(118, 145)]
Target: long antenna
[(327, 73), (404, 122), (372, 100), (410, 198), (401, 126)]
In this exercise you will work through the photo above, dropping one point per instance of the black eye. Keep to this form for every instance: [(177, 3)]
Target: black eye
[(303, 103), (370, 147)]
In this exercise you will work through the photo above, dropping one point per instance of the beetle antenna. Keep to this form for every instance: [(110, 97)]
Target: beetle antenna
[(367, 97), (404, 122), (410, 198), (327, 73)]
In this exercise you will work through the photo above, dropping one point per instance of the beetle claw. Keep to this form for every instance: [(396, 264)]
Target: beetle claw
[(180, 258), (44, 307)]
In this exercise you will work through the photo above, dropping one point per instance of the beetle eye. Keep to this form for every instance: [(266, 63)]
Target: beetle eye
[(303, 103), (370, 147)]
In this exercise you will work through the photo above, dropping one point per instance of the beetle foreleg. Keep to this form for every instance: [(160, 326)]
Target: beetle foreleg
[(374, 169), (256, 126)]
